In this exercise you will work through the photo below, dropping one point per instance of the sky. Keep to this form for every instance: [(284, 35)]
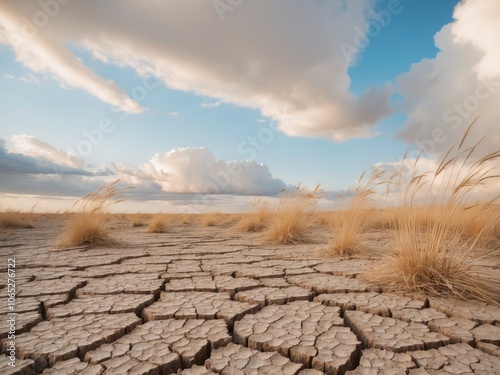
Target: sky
[(205, 105)]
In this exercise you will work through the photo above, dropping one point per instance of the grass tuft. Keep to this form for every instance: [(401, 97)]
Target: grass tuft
[(137, 220), (257, 219), (86, 225), (211, 219), (438, 245), (352, 222), (160, 223), (290, 220), (17, 219)]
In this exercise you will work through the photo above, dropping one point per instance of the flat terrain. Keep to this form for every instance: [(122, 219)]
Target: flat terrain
[(209, 300)]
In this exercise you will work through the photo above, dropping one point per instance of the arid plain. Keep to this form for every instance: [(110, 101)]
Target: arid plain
[(206, 296)]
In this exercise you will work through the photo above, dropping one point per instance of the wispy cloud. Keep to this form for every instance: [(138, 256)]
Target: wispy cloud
[(44, 49), (31, 146), (29, 78), (13, 162), (174, 114), (210, 104)]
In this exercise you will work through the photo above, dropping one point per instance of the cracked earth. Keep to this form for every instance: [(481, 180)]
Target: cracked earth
[(202, 301)]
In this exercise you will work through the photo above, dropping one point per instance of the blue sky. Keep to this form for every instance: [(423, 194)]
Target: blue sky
[(45, 115)]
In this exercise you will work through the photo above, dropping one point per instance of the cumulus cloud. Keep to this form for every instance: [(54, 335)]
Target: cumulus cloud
[(445, 94), (484, 35), (197, 170), (40, 168), (289, 65)]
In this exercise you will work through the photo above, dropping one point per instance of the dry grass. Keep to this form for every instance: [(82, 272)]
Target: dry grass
[(160, 223), (437, 246), (17, 219), (290, 221), (351, 223), (257, 219), (476, 220), (185, 219), (325, 218), (138, 220), (86, 225), (211, 219)]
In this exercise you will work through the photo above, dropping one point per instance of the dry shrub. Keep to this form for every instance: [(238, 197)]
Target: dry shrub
[(138, 220), (86, 225), (352, 222), (160, 223), (257, 219), (211, 219), (440, 258), (290, 222), (17, 219)]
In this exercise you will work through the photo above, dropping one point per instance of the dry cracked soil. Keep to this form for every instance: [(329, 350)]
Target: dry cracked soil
[(209, 300)]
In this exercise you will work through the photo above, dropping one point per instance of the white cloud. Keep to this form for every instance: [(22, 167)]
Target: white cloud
[(196, 170), (29, 78), (261, 120), (478, 23), (445, 94), (31, 146), (210, 104), (39, 167), (289, 65), (8, 76), (45, 49), (174, 114)]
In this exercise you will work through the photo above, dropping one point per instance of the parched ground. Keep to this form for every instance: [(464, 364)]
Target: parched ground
[(209, 300)]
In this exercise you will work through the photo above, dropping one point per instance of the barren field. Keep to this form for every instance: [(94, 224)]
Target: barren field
[(207, 299)]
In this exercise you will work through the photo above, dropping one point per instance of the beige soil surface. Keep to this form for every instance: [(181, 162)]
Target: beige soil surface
[(209, 300)]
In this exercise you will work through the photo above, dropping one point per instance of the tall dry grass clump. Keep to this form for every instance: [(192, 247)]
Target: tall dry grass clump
[(17, 219), (257, 219), (160, 223), (138, 220), (435, 249), (290, 221), (86, 225), (211, 219), (350, 223)]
